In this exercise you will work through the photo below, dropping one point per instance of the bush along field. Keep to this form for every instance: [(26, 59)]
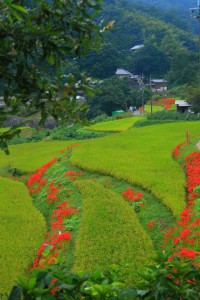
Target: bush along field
[(77, 231)]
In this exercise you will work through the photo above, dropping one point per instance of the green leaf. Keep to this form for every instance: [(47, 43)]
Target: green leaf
[(15, 293), (51, 59), (31, 282), (20, 8)]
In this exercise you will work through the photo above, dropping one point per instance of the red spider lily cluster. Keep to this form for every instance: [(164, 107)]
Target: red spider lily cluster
[(186, 235), (52, 192), (177, 149), (167, 103), (131, 195), (72, 175), (35, 180), (151, 224), (57, 236)]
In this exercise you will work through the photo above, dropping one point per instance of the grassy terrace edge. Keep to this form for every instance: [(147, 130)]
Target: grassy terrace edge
[(107, 221)]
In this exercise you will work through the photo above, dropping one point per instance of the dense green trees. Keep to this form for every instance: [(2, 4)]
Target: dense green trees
[(36, 37), (114, 94), (43, 52)]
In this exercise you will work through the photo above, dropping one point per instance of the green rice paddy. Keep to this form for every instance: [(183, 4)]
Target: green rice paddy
[(142, 156), (22, 230), (116, 125)]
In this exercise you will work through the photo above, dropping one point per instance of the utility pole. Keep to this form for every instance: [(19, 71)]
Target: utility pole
[(141, 85), (195, 14), (151, 94)]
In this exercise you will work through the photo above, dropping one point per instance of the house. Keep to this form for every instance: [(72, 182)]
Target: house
[(2, 103), (134, 81), (122, 73), (158, 85), (136, 47), (182, 105)]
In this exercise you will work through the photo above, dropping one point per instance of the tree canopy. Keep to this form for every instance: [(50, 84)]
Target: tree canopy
[(36, 38)]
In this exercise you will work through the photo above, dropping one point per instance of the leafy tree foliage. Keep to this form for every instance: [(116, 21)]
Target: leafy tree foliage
[(36, 36), (184, 67), (114, 94), (194, 98)]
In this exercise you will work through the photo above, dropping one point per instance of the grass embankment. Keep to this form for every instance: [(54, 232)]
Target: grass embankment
[(110, 233), (142, 156), (4, 129), (30, 156), (116, 125), (22, 229)]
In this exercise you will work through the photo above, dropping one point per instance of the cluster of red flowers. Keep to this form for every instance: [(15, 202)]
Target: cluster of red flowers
[(56, 237), (167, 103), (35, 180), (151, 224), (52, 192), (72, 175), (131, 195), (177, 149), (186, 235)]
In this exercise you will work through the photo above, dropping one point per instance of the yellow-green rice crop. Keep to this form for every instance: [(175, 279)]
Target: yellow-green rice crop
[(155, 108), (116, 125), (110, 233), (30, 156), (142, 156), (22, 230)]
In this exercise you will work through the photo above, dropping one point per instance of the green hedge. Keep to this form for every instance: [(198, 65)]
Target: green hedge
[(22, 230), (110, 233)]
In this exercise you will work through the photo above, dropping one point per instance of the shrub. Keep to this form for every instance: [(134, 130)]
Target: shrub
[(124, 115), (164, 280), (173, 115), (102, 118), (71, 133)]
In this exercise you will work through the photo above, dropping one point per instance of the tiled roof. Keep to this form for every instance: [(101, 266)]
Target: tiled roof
[(123, 72)]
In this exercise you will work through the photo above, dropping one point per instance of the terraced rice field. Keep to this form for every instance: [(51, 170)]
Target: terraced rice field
[(22, 229), (142, 156), (110, 231), (116, 125), (28, 157)]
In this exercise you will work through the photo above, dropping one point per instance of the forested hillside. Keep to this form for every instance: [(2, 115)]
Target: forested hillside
[(170, 50), (165, 42), (169, 4)]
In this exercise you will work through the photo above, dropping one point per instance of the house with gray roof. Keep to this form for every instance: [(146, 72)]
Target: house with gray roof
[(158, 85), (123, 73), (136, 47), (132, 78)]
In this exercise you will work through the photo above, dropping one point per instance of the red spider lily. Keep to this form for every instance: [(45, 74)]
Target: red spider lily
[(72, 175), (151, 224), (35, 180), (186, 234), (131, 195), (188, 253), (52, 192)]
